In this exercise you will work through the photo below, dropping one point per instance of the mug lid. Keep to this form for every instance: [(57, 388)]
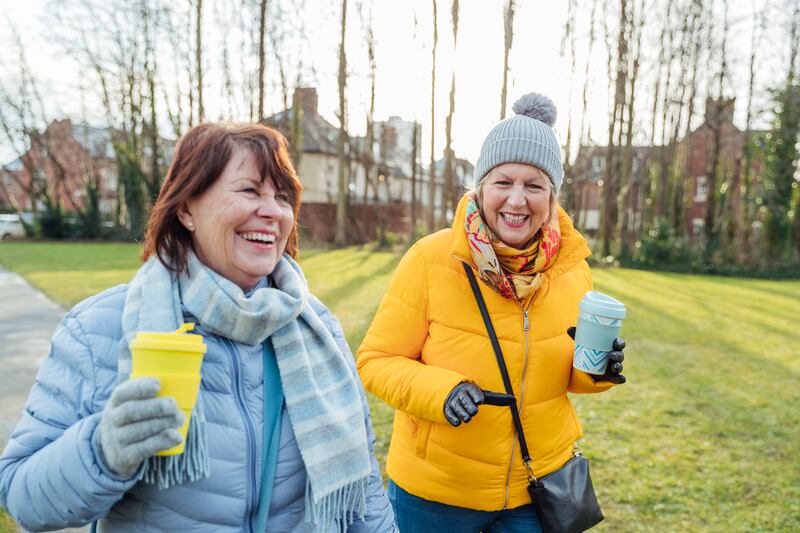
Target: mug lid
[(178, 340), (601, 304)]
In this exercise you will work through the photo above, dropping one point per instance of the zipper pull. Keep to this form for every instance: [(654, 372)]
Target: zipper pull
[(525, 320)]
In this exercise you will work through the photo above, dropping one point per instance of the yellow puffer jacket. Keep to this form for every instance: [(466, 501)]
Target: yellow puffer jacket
[(427, 336)]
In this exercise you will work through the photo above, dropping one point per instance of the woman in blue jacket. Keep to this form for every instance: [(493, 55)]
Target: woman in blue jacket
[(280, 438)]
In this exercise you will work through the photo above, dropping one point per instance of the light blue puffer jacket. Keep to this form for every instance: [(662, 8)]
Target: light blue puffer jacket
[(51, 476)]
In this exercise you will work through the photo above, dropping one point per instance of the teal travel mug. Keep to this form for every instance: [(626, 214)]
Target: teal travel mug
[(599, 323)]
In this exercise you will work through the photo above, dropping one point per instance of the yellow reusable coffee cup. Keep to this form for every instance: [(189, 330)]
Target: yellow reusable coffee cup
[(174, 358)]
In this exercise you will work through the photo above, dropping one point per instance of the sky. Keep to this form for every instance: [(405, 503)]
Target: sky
[(403, 57)]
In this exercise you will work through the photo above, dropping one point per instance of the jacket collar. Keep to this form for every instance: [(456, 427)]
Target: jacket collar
[(573, 250)]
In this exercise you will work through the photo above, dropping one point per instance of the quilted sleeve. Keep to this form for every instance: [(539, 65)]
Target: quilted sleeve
[(50, 474), (389, 358)]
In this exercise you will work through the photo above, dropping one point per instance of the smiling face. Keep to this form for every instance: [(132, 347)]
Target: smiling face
[(515, 201), (241, 223)]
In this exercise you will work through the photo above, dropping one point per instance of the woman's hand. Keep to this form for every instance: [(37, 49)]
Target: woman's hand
[(135, 425), (615, 358), (462, 403)]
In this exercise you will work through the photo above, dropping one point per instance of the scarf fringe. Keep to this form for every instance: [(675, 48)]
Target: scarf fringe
[(193, 464), (337, 510)]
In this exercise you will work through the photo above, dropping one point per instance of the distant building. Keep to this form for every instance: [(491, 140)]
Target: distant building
[(62, 159), (697, 148), (694, 151), (387, 194)]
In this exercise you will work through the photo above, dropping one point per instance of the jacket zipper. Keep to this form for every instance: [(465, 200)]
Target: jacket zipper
[(525, 328), (251, 439)]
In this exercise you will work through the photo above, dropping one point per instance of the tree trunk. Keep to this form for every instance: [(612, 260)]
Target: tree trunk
[(627, 167), (568, 185), (508, 27), (154, 181), (432, 168), (744, 239), (341, 201), (369, 141), (716, 155), (262, 29), (449, 192), (611, 180), (198, 51), (414, 151)]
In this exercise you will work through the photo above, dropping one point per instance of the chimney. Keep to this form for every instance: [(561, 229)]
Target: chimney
[(719, 110), (306, 97)]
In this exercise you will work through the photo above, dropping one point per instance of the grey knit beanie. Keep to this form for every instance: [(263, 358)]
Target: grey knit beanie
[(526, 137)]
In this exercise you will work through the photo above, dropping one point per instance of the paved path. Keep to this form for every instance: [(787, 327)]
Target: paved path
[(27, 321)]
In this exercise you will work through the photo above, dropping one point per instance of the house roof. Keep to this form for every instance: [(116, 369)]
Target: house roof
[(96, 141), (319, 135)]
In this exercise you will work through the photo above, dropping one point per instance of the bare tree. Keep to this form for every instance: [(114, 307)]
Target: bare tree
[(569, 184), (153, 182), (711, 226), (414, 163), (615, 127), (449, 192), (508, 32), (198, 51), (745, 209), (367, 156), (262, 28), (432, 168), (341, 201), (625, 164), (693, 45)]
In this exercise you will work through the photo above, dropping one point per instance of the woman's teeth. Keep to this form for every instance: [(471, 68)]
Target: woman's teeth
[(260, 237), (514, 219)]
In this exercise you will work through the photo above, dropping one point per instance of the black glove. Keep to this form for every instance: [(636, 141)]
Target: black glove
[(462, 403), (615, 358)]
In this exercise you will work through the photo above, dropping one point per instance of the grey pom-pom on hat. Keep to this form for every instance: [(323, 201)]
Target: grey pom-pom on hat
[(526, 137)]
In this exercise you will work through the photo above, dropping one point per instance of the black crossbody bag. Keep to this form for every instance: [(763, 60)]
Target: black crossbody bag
[(564, 500)]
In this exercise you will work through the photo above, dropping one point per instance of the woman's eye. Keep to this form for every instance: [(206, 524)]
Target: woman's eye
[(534, 186), (281, 197), (503, 183), (250, 190)]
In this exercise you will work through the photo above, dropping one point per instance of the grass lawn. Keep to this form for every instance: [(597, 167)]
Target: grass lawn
[(704, 437)]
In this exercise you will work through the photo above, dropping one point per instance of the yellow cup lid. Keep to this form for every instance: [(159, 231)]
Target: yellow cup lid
[(179, 340)]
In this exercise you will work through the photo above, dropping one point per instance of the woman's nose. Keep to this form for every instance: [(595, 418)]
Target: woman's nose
[(268, 207), (517, 195)]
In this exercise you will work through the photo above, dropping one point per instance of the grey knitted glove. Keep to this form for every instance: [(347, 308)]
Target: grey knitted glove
[(135, 425)]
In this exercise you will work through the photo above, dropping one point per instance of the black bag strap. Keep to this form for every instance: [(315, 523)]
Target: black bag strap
[(498, 353)]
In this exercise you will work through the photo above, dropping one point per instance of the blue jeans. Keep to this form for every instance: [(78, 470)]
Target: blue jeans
[(417, 515)]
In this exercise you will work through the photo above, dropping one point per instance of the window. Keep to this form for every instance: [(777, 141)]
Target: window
[(701, 189), (598, 164), (698, 224)]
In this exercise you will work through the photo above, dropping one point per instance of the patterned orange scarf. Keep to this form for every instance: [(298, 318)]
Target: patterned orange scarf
[(515, 274)]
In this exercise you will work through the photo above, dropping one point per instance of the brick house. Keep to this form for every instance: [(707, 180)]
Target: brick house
[(63, 159), (698, 146), (695, 151)]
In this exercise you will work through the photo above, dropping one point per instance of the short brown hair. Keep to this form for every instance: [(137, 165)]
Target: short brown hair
[(200, 157)]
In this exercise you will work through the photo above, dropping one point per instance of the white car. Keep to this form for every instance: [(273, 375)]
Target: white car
[(11, 227)]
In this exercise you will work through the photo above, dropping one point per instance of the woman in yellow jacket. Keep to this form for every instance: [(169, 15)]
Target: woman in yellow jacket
[(454, 463)]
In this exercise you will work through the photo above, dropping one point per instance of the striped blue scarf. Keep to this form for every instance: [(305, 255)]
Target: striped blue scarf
[(321, 393)]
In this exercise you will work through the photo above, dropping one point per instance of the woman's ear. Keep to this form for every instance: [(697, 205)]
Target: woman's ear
[(185, 216)]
